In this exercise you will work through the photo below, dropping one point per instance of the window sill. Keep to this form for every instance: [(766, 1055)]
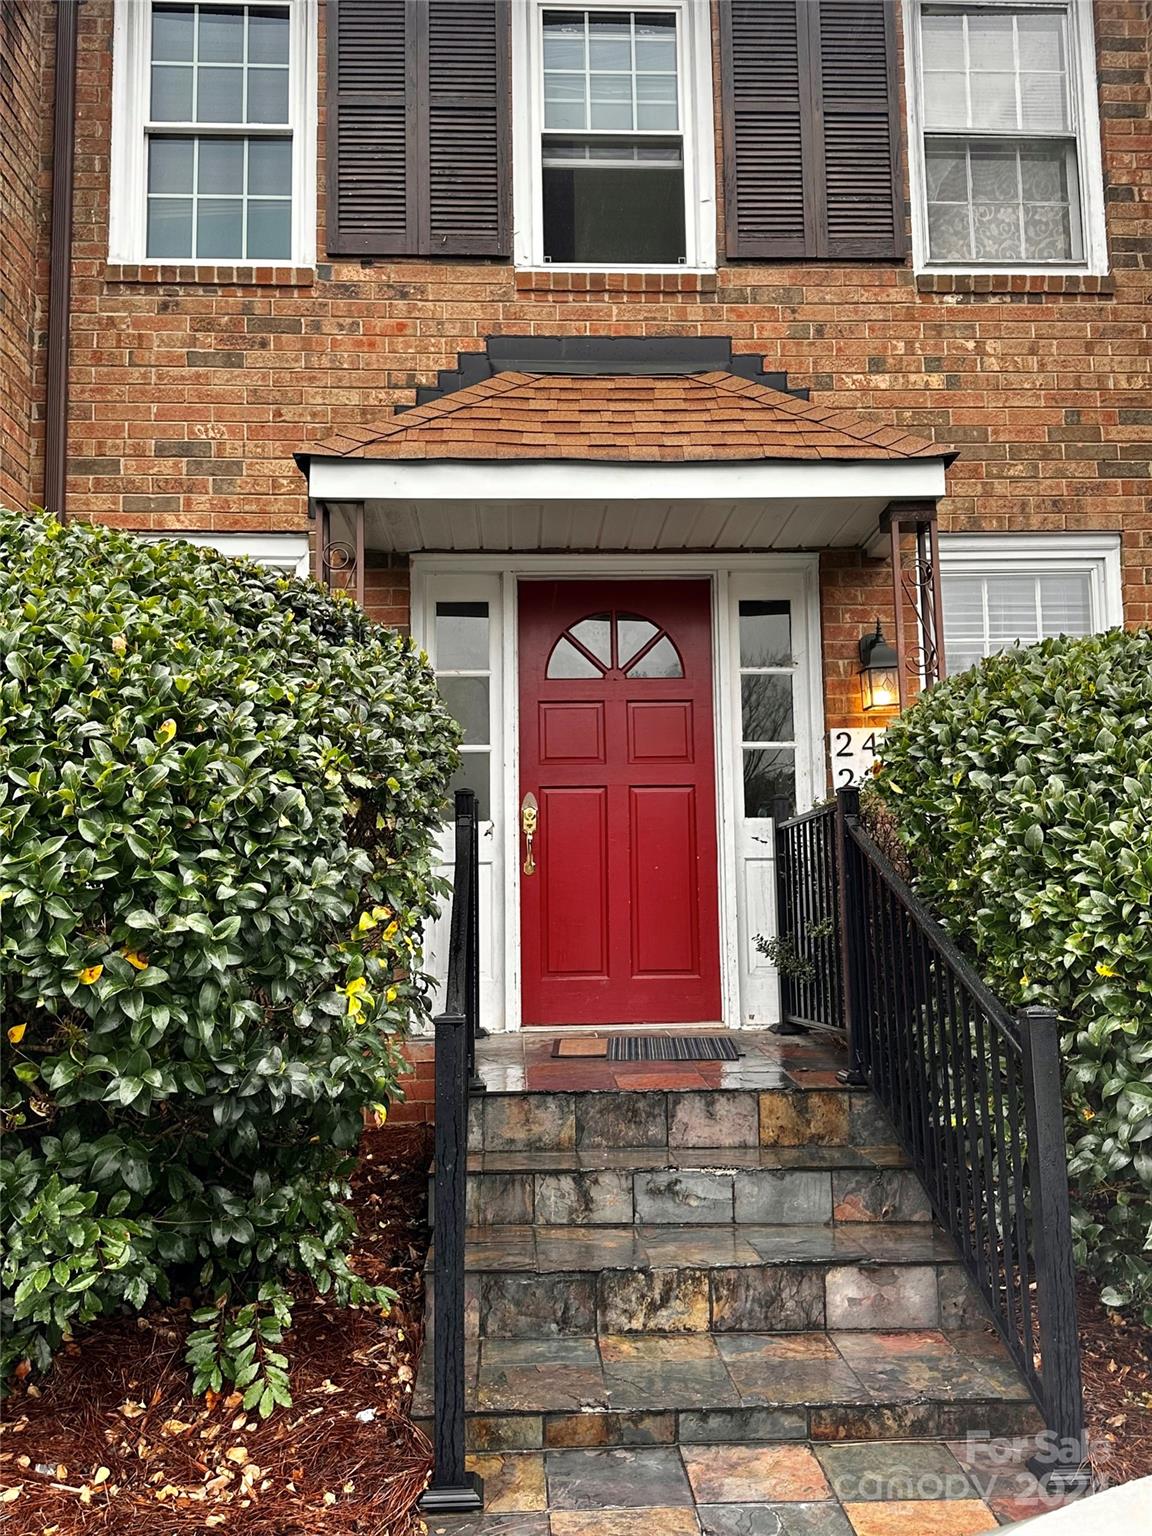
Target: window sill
[(565, 280), (1016, 282), (194, 273)]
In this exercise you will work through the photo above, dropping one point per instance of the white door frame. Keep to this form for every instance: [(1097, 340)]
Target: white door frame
[(799, 572)]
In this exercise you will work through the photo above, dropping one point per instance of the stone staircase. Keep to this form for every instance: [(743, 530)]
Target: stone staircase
[(729, 1265)]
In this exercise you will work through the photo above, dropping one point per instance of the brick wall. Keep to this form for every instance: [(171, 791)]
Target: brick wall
[(189, 397), (21, 122)]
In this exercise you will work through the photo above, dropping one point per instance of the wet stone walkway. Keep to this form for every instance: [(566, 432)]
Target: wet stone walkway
[(888, 1488)]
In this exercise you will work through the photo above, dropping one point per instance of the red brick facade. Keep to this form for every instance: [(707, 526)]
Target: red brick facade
[(189, 396)]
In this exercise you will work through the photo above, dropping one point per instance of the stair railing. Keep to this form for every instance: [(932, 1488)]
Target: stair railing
[(808, 921), (974, 1094), (453, 1488)]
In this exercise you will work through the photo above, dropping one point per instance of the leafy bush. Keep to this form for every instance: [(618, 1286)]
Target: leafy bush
[(219, 792), (1023, 792)]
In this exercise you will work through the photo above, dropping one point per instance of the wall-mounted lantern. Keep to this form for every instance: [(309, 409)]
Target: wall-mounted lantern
[(879, 672)]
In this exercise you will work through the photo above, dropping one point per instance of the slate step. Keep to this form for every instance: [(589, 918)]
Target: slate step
[(687, 1186), (679, 1118), (540, 1281), (612, 1389)]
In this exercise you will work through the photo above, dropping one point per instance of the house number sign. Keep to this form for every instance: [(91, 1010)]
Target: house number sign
[(853, 754)]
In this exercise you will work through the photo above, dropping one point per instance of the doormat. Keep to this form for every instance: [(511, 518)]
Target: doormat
[(672, 1048)]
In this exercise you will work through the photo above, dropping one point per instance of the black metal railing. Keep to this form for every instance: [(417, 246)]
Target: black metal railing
[(453, 1487), (808, 921), (974, 1093)]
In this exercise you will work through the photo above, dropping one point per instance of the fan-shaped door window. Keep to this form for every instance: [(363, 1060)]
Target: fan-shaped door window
[(616, 644)]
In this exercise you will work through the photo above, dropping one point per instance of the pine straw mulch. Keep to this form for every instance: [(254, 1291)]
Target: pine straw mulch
[(112, 1442), (1116, 1352)]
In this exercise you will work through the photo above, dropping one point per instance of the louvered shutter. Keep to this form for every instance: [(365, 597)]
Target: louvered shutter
[(418, 126), (811, 128)]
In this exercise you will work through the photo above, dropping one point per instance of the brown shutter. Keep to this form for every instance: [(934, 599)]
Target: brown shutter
[(419, 113), (811, 128)]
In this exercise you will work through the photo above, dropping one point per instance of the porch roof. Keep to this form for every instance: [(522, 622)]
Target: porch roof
[(657, 419)]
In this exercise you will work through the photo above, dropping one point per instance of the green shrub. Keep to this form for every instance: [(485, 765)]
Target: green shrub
[(219, 791), (1023, 793)]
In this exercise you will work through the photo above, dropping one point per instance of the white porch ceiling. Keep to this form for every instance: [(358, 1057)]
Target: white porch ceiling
[(412, 507)]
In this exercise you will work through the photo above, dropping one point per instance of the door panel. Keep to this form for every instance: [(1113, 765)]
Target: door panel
[(619, 920)]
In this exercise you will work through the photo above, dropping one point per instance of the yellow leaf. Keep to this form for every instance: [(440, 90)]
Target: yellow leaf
[(91, 973), (16, 1033), (390, 931), (356, 986), (134, 958), (380, 913), (391, 994), (366, 923), (355, 1006), (166, 731), (1104, 970)]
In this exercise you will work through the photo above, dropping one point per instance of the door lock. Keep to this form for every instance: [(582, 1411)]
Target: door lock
[(529, 821)]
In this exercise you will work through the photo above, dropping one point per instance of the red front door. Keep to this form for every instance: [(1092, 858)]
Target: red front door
[(619, 916)]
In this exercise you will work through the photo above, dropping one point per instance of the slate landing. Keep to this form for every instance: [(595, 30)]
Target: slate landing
[(914, 1488)]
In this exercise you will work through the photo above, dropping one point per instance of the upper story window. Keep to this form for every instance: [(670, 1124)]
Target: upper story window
[(614, 151), (1005, 141), (212, 147)]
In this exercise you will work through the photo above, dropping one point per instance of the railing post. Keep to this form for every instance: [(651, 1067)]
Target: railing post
[(852, 958), (1061, 1465), (786, 919), (453, 1488)]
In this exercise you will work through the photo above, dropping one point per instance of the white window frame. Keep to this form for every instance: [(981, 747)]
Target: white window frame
[(697, 131), (1096, 555), (284, 553), (1085, 130), (128, 190)]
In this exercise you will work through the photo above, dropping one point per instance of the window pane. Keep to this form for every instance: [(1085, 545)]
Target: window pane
[(997, 232), (610, 52), (219, 95), (949, 232), (567, 661), (1012, 615), (270, 167), (766, 707), (963, 598), (604, 214), (268, 37), (267, 96), (221, 166), (171, 94), (632, 632), (474, 772), (656, 42), (1005, 201), (993, 101), (466, 699), (942, 41), (765, 634), (172, 33), (169, 226), (595, 635), (661, 661), (564, 40), (769, 782), (269, 230), (219, 227), (990, 42), (170, 165), (221, 36), (1066, 604), (462, 637)]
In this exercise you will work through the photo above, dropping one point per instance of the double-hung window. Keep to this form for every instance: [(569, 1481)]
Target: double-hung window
[(1005, 142), (613, 162), (1006, 590), (212, 144)]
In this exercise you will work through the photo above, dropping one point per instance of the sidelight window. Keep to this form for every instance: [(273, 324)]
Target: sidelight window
[(767, 708), (462, 657)]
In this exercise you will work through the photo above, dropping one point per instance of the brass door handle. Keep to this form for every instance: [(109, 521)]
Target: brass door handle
[(529, 821)]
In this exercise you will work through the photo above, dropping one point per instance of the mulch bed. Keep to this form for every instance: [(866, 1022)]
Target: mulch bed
[(111, 1441), (1116, 1350)]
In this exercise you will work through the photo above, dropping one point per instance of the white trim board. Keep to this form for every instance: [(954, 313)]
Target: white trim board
[(749, 991), (786, 481)]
